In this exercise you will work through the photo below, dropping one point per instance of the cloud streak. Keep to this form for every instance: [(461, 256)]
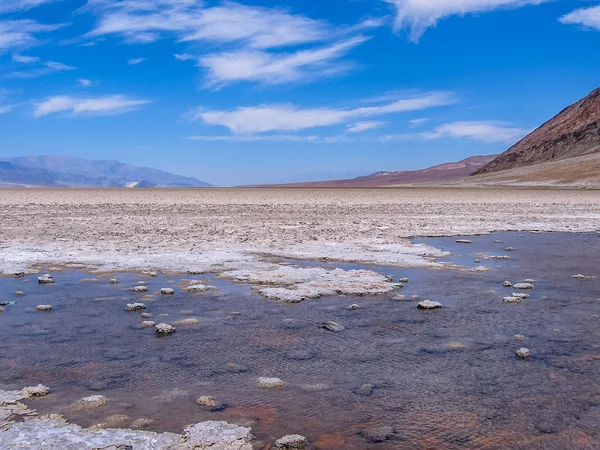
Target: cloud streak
[(484, 131), (20, 5), (243, 43), (90, 106), (416, 16), (286, 118), (19, 34), (586, 17)]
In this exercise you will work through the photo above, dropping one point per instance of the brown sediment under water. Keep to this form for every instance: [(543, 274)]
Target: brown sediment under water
[(441, 379)]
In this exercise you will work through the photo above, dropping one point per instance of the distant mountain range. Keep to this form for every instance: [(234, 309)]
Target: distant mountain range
[(56, 171), (431, 175), (573, 133)]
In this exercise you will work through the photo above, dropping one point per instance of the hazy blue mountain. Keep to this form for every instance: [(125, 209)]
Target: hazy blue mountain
[(50, 170)]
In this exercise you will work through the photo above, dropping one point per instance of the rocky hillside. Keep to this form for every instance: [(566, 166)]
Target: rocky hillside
[(435, 174), (572, 133)]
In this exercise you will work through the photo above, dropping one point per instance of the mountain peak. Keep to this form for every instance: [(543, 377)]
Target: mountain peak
[(574, 132)]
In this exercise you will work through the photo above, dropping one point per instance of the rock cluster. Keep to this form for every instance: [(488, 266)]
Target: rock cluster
[(270, 383), (428, 304), (291, 442), (45, 279), (135, 306), (44, 307), (164, 329)]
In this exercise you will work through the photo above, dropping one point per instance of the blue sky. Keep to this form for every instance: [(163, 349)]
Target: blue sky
[(287, 90)]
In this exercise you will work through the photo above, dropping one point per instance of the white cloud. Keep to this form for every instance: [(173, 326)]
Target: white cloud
[(20, 5), (417, 122), (359, 127), (16, 34), (6, 108), (266, 118), (275, 68), (243, 43), (22, 59), (184, 57), (586, 17), (147, 21), (108, 105), (43, 69), (485, 131), (418, 15), (133, 62), (84, 83)]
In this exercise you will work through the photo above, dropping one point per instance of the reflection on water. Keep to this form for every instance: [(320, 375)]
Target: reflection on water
[(444, 379)]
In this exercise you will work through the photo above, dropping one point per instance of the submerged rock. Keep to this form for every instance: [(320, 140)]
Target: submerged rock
[(139, 289), (428, 304), (164, 329), (153, 274), (509, 249), (113, 281), (44, 307), (580, 276), (2, 309), (36, 391), (529, 280), (147, 324), (20, 293), (146, 315), (93, 401), (364, 390), (378, 434), (522, 296), (206, 400), (200, 288), (190, 321), (354, 307), (167, 291), (216, 436), (523, 353), (463, 241), (512, 299), (519, 337), (403, 280), (291, 442), (270, 383), (524, 286), (400, 297), (45, 279), (507, 284), (333, 326), (135, 306)]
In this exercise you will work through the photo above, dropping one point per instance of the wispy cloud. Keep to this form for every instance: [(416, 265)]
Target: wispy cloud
[(90, 106), (6, 108), (275, 67), (147, 21), (184, 57), (244, 43), (418, 15), (266, 118), (20, 5), (84, 83), (41, 70), (359, 127), (485, 131), (418, 122), (586, 17), (22, 59), (19, 34), (133, 62)]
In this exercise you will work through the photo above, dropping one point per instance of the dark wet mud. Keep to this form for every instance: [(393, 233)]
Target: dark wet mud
[(396, 377)]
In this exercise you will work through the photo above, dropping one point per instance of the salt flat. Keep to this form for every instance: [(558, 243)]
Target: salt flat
[(179, 229)]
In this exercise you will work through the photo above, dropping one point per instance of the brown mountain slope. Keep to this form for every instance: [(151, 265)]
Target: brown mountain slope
[(574, 132), (436, 174)]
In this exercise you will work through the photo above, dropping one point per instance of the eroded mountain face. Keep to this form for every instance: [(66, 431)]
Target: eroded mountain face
[(575, 131)]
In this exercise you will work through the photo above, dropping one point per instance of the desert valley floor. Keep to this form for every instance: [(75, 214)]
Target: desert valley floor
[(304, 318)]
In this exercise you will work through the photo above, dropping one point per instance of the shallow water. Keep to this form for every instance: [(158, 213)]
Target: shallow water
[(444, 379)]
